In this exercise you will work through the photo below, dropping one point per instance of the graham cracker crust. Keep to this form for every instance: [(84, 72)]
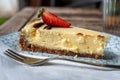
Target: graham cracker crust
[(26, 46)]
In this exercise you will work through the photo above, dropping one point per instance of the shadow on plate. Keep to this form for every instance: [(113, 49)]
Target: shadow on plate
[(110, 55)]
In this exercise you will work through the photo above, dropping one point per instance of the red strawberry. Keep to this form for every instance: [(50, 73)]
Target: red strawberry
[(52, 20)]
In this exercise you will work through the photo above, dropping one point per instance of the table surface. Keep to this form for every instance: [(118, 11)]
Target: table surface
[(85, 18)]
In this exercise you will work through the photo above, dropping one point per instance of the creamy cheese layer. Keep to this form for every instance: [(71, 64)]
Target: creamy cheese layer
[(73, 39)]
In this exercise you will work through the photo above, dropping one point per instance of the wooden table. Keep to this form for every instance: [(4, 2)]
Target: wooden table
[(86, 18)]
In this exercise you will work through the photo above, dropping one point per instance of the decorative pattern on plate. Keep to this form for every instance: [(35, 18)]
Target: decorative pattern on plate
[(112, 52)]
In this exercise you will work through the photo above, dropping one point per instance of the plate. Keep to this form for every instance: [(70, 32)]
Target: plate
[(112, 51)]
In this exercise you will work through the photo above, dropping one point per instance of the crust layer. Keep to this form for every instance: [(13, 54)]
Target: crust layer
[(25, 45)]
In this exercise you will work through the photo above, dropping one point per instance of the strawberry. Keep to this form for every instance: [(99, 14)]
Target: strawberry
[(53, 20)]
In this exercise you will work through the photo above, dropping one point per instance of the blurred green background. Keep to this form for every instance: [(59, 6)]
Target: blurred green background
[(3, 20)]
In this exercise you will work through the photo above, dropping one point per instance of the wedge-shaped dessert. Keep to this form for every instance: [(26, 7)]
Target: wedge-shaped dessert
[(53, 35)]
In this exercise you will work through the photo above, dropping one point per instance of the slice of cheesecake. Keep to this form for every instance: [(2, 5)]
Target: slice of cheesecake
[(36, 36)]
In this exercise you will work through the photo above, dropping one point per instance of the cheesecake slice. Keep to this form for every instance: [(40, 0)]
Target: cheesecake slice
[(37, 36)]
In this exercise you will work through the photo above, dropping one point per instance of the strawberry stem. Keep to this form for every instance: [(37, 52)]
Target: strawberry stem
[(41, 12)]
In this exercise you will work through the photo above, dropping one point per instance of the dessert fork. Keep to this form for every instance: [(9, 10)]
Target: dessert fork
[(38, 61)]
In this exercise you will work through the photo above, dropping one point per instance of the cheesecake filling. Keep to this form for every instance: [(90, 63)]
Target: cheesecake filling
[(73, 39)]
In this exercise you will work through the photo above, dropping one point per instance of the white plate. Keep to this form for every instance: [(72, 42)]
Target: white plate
[(112, 52)]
